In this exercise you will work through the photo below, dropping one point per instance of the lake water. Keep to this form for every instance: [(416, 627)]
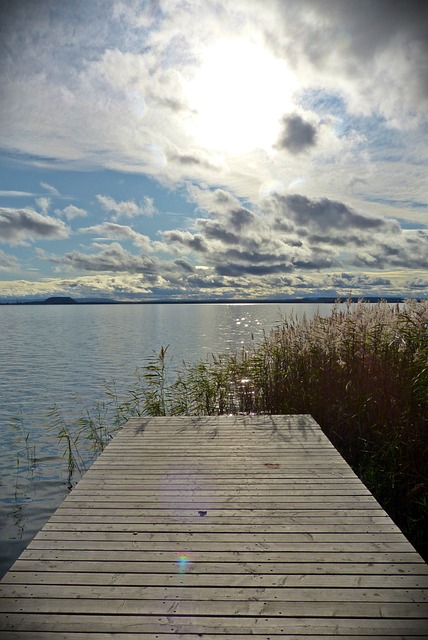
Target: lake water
[(51, 354)]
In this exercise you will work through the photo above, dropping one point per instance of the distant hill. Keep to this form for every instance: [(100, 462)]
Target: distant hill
[(59, 300)]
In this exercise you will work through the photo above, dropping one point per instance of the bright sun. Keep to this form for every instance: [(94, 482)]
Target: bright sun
[(239, 93)]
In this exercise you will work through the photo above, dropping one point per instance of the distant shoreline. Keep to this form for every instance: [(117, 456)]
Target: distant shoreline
[(66, 301)]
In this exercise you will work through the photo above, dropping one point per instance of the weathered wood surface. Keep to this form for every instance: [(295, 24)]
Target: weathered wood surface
[(217, 528)]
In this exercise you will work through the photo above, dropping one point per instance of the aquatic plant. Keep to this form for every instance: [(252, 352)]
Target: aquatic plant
[(25, 449), (362, 373)]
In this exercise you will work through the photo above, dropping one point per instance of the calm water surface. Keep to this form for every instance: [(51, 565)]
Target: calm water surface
[(51, 354)]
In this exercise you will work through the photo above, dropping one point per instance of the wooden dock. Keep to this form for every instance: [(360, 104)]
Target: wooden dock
[(217, 528)]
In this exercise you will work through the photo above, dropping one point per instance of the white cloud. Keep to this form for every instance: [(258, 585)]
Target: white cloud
[(127, 208), (71, 212), (121, 95), (121, 102), (118, 231), (15, 194), (43, 203), (52, 190)]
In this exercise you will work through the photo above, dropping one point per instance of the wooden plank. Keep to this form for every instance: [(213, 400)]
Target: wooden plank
[(141, 497), (280, 557), (233, 495), (55, 635), (273, 558), (215, 594), (341, 517), (274, 568), (232, 625), (333, 537), (178, 527), (244, 480), (219, 506), (234, 527), (248, 581), (218, 546), (234, 608)]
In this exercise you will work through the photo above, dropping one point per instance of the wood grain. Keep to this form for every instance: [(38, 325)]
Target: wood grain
[(220, 528)]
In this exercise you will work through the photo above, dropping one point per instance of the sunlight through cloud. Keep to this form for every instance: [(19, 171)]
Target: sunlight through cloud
[(238, 94)]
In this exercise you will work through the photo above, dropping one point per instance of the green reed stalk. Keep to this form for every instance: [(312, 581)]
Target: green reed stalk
[(362, 373)]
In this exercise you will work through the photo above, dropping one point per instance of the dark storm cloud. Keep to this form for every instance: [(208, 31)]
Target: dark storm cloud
[(297, 135), (192, 160), (374, 22), (235, 269), (216, 231), (327, 214), (241, 218), (195, 242), (363, 27), (256, 255), (184, 265), (339, 240), (22, 225)]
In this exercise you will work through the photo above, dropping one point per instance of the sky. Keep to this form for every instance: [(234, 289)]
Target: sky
[(213, 149)]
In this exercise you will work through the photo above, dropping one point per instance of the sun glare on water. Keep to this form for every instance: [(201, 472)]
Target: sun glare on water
[(238, 94)]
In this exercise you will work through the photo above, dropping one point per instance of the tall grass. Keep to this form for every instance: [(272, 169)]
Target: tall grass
[(362, 373)]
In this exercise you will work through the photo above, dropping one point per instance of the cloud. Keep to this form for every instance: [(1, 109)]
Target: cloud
[(8, 262), (295, 234), (418, 284), (111, 258), (19, 226), (117, 97), (325, 214), (374, 24), (297, 135), (43, 203), (214, 230), (214, 201), (409, 250), (115, 231), (71, 212), (364, 51), (194, 242), (118, 286), (52, 190), (185, 266), (107, 101), (128, 208), (115, 259), (194, 159), (15, 194), (236, 269)]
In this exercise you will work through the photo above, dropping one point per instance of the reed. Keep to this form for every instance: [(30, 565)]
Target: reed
[(25, 449), (362, 373)]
